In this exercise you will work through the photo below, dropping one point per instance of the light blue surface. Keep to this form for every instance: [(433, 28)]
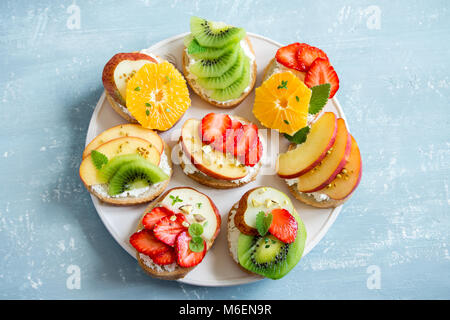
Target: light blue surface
[(395, 91)]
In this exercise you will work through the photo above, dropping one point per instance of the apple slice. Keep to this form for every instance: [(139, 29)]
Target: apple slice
[(202, 209), (205, 158), (325, 172), (119, 69), (256, 200), (307, 155), (350, 176), (125, 130), (126, 145)]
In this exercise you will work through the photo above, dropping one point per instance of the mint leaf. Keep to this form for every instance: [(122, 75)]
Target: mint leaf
[(195, 229), (299, 137), (319, 97), (99, 159), (263, 222), (197, 244), (175, 199)]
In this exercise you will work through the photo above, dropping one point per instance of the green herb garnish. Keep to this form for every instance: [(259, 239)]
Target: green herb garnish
[(285, 121), (319, 97), (148, 104), (263, 222), (99, 159), (137, 89), (195, 229), (197, 244), (199, 205), (283, 85), (297, 98), (299, 137), (175, 199), (147, 112)]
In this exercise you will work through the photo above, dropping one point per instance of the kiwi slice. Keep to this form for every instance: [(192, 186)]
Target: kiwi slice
[(109, 169), (269, 256), (199, 52), (227, 78), (215, 34), (135, 174), (234, 90), (215, 67)]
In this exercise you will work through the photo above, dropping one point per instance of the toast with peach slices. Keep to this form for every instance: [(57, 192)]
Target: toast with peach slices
[(220, 151), (126, 165), (175, 233)]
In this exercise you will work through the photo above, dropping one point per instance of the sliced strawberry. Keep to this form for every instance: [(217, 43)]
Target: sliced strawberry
[(144, 241), (253, 156), (307, 54), (168, 228), (283, 226), (247, 141), (165, 258), (185, 257), (153, 217), (214, 126), (322, 72), (287, 55), (228, 143)]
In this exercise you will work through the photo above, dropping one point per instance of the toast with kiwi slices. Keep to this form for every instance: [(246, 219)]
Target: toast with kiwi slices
[(175, 233), (219, 62), (126, 165), (266, 236)]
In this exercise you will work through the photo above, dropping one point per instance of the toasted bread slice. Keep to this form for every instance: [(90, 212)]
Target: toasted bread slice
[(274, 67), (173, 272), (206, 180), (201, 93), (146, 197)]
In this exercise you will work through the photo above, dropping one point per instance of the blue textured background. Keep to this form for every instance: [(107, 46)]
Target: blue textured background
[(395, 91)]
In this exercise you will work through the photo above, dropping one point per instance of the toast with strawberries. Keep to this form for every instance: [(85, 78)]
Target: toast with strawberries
[(175, 233)]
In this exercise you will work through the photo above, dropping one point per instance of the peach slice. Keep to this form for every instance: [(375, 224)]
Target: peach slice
[(206, 159), (125, 130), (119, 69), (125, 145), (307, 155), (350, 176), (325, 172)]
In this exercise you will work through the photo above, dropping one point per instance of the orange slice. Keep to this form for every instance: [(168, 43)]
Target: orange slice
[(157, 96), (282, 103)]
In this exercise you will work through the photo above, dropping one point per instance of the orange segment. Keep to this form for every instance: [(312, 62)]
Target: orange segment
[(282, 103), (157, 96)]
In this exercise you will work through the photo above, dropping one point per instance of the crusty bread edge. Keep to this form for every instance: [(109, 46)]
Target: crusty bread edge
[(197, 90), (309, 200), (118, 109), (138, 200)]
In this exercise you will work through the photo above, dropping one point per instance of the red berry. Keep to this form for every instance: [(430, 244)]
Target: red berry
[(322, 72), (144, 241), (307, 54), (185, 257), (247, 141), (228, 143), (165, 258), (168, 228), (253, 156), (153, 217), (214, 126), (287, 55), (283, 226)]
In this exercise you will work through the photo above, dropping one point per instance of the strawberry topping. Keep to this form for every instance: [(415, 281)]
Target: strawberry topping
[(253, 155), (169, 227), (307, 54), (144, 241), (247, 141), (228, 143), (185, 257), (153, 217), (165, 258), (322, 72), (283, 226), (214, 126), (287, 56)]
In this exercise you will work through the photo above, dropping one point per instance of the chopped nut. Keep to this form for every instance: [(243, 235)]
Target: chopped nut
[(256, 203), (173, 218), (185, 224), (187, 209), (269, 203), (199, 217), (339, 176)]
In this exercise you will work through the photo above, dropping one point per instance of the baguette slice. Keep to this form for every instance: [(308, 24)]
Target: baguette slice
[(200, 92), (146, 197), (206, 180), (177, 272)]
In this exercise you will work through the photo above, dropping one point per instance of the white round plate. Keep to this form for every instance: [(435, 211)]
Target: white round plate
[(218, 268)]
